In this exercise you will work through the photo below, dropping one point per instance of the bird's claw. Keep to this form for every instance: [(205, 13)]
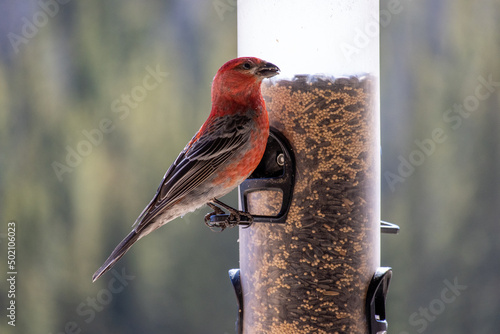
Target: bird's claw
[(221, 225), (233, 219)]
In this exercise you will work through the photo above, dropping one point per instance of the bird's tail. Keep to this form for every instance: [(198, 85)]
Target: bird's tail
[(117, 253)]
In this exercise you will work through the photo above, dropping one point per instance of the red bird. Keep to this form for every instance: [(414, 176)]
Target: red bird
[(221, 155)]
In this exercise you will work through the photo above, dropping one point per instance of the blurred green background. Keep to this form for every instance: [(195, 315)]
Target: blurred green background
[(77, 77)]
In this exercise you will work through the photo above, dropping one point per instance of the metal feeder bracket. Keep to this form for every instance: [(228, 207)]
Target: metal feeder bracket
[(375, 300), (389, 228), (276, 171), (234, 276)]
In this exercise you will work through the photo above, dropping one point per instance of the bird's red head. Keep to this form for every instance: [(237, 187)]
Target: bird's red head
[(240, 78)]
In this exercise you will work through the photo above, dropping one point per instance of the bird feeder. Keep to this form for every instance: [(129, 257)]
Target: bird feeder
[(310, 262)]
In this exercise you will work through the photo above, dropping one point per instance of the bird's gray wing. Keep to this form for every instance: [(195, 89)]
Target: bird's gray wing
[(198, 161)]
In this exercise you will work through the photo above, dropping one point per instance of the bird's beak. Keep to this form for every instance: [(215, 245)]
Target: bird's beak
[(268, 70)]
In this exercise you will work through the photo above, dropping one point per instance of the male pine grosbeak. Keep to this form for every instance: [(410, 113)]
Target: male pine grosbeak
[(221, 155)]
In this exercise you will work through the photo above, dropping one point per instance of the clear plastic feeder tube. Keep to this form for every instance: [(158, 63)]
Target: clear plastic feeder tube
[(312, 273)]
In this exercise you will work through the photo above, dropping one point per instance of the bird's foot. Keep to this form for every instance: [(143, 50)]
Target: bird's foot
[(208, 220), (223, 221)]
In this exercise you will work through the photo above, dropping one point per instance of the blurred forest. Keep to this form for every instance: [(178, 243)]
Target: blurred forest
[(97, 99)]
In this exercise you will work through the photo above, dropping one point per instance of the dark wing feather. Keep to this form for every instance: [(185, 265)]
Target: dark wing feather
[(196, 163)]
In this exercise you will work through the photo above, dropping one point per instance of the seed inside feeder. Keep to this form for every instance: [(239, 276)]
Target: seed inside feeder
[(311, 274)]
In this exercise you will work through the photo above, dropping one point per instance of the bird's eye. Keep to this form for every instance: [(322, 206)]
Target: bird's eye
[(246, 66)]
